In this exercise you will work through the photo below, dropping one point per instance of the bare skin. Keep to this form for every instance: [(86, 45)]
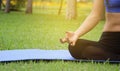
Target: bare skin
[(112, 23)]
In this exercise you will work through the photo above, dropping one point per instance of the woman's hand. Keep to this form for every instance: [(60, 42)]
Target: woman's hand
[(70, 38)]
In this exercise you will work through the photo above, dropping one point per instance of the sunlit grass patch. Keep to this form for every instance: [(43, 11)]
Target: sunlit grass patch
[(39, 30)]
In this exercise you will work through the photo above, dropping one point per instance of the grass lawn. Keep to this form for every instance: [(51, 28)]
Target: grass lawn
[(43, 31)]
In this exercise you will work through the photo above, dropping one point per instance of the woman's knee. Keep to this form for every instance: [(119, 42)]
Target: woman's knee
[(74, 51)]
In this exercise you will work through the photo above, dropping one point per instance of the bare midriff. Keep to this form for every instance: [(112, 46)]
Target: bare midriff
[(112, 23)]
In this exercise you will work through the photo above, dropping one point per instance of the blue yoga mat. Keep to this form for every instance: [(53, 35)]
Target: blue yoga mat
[(38, 54)]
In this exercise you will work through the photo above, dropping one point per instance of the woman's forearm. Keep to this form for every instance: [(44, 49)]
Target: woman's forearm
[(90, 22)]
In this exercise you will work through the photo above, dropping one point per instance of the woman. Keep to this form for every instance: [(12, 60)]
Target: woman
[(108, 47)]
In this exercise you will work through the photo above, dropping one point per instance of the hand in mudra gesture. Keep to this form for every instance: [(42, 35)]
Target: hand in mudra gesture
[(70, 38)]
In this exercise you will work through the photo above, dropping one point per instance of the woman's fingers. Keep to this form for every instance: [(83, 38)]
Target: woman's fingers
[(63, 40), (69, 34), (72, 43), (66, 39), (69, 38)]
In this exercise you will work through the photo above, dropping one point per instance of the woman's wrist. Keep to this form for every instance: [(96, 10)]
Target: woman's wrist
[(76, 34)]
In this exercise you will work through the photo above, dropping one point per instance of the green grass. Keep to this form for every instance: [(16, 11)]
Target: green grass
[(33, 31), (43, 31), (58, 66), (21, 31)]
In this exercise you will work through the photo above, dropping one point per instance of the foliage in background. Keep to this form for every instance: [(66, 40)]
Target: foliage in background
[(16, 4)]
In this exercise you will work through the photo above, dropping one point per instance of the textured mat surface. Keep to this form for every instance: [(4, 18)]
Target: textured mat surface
[(37, 54)]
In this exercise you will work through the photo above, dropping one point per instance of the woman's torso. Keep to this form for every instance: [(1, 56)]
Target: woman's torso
[(112, 16), (110, 38)]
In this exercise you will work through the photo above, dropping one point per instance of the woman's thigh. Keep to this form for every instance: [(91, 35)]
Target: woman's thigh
[(85, 49)]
